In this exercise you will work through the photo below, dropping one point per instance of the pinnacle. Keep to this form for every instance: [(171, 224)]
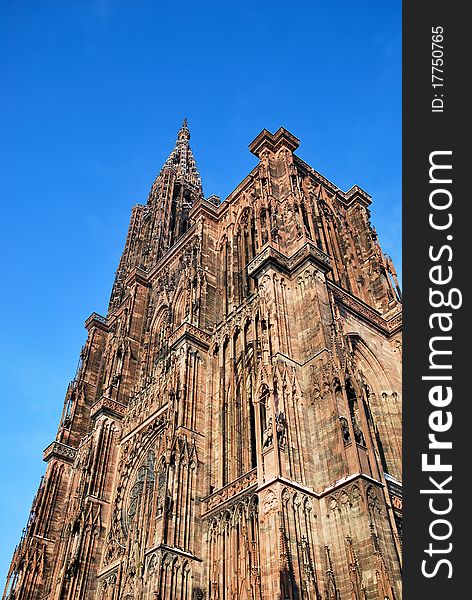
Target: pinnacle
[(184, 132)]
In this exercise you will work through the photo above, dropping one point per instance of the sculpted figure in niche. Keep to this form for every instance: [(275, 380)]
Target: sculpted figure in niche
[(281, 426), (345, 429), (268, 435), (358, 435)]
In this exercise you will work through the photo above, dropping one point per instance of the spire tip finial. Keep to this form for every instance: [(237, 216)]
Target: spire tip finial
[(184, 132)]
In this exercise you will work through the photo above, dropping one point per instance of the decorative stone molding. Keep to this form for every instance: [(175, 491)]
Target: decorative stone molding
[(394, 323), (191, 333), (289, 264), (348, 497), (366, 312), (108, 406), (395, 491), (137, 275), (206, 207), (96, 320), (273, 141), (357, 194), (60, 451), (229, 492)]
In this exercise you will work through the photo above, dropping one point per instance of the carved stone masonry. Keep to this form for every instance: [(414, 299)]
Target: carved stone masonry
[(233, 430)]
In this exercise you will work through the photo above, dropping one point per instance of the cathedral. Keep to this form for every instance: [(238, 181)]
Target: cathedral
[(233, 430)]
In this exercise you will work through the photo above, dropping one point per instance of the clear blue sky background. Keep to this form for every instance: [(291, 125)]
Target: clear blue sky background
[(93, 93)]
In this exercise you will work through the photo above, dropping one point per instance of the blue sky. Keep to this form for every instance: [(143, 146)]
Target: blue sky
[(94, 92)]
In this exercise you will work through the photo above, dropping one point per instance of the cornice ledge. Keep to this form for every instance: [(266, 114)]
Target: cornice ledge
[(173, 549), (137, 275), (273, 141), (324, 492), (394, 323), (206, 207), (108, 406), (60, 451), (308, 251), (361, 309), (231, 491), (356, 194), (98, 321), (192, 333), (346, 480)]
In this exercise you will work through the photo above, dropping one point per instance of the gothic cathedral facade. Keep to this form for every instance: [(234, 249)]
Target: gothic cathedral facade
[(233, 431)]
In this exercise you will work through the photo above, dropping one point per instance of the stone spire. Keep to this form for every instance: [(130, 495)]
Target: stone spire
[(182, 161), (156, 227)]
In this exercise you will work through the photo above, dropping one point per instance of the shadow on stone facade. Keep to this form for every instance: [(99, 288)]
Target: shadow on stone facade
[(288, 587)]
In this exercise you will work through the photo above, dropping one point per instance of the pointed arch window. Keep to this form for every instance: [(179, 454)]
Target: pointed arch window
[(161, 331), (143, 486)]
